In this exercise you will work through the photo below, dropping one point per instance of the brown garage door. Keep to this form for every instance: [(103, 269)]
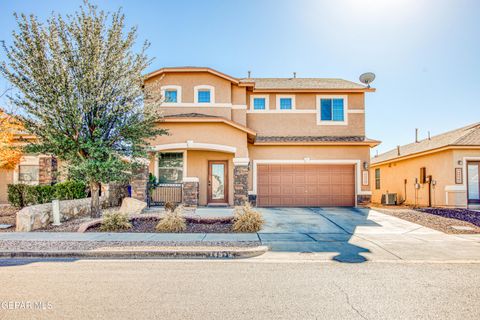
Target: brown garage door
[(305, 185)]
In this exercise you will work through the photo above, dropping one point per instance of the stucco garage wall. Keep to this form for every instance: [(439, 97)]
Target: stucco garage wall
[(392, 176), (361, 153)]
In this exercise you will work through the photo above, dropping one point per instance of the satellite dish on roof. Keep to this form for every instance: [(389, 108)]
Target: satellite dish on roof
[(367, 78)]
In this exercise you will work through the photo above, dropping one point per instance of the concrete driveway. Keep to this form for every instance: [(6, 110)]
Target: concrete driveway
[(357, 235)]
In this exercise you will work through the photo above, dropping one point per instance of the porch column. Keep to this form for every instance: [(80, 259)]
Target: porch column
[(190, 191), (240, 180), (139, 183), (47, 170)]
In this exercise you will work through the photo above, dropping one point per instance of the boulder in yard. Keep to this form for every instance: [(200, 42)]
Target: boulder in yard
[(132, 206)]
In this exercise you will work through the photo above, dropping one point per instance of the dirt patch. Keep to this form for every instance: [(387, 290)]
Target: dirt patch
[(426, 219), (148, 226), (8, 215)]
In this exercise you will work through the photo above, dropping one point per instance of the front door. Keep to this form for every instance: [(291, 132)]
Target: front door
[(217, 181), (473, 182)]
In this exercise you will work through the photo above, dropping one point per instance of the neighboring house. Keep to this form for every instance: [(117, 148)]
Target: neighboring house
[(276, 141), (440, 171), (32, 169)]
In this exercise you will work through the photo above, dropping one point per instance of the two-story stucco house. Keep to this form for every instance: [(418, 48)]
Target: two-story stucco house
[(274, 141)]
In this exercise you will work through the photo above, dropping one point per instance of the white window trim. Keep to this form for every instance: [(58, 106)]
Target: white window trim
[(261, 96), (204, 87), (331, 122), (172, 87), (283, 96), (25, 161), (356, 163)]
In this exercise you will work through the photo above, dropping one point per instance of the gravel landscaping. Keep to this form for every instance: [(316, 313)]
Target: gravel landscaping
[(459, 214), (147, 225), (442, 220), (22, 245)]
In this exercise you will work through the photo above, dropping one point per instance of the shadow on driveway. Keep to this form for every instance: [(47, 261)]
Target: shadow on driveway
[(315, 230)]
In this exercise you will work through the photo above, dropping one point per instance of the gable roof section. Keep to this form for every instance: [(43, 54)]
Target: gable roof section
[(203, 118), (192, 69), (465, 136), (304, 84), (278, 84), (315, 140)]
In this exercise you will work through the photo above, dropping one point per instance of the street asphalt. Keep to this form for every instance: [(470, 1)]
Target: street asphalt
[(237, 289)]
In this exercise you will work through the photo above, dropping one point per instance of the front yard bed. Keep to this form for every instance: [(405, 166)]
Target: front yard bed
[(8, 216), (434, 218), (194, 225), (466, 215)]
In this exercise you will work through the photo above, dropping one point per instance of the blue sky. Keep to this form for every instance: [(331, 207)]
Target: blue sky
[(426, 54)]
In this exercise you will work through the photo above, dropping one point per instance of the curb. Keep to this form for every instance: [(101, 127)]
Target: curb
[(204, 253)]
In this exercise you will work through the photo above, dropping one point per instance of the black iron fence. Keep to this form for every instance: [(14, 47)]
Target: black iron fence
[(159, 194)]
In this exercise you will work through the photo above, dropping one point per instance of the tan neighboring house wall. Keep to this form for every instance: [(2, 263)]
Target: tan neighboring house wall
[(441, 165), (228, 129)]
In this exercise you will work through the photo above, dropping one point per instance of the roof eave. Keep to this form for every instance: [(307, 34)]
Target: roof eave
[(211, 120), (313, 90), (191, 69), (371, 144)]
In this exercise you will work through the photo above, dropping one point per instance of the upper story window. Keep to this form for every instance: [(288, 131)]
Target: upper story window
[(258, 103), (204, 94), (285, 102), (172, 94), (332, 110)]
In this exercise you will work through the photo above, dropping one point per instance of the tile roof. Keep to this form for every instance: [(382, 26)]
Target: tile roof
[(465, 136), (280, 139), (190, 115), (302, 83)]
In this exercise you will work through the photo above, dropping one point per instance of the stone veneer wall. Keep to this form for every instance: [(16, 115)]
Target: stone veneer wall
[(47, 170), (139, 184), (240, 184), (190, 193)]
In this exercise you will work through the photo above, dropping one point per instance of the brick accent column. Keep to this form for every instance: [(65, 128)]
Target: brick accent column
[(47, 170), (114, 192), (190, 191), (240, 181), (139, 183)]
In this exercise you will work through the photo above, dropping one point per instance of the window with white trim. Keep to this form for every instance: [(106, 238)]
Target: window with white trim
[(332, 110), (171, 96), (170, 167), (285, 102), (259, 104), (203, 96), (28, 173)]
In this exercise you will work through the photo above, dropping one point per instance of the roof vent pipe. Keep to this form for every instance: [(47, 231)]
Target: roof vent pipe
[(294, 75), (416, 134), (398, 150), (429, 136), (249, 73)]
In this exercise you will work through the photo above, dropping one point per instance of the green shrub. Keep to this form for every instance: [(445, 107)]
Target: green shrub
[(115, 221), (247, 219), (16, 194), (70, 190), (21, 195), (173, 221), (38, 194)]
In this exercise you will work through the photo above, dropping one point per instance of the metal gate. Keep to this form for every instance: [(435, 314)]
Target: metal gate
[(159, 194)]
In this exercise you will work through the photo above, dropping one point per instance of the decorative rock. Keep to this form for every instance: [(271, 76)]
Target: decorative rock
[(5, 226), (132, 206)]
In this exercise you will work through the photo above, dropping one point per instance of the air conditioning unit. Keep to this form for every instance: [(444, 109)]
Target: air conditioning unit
[(389, 199)]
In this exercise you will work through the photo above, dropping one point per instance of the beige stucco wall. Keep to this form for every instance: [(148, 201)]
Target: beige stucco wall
[(197, 166), (239, 95), (188, 80), (213, 133), (392, 176), (240, 116), (6, 178), (303, 124), (361, 153)]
